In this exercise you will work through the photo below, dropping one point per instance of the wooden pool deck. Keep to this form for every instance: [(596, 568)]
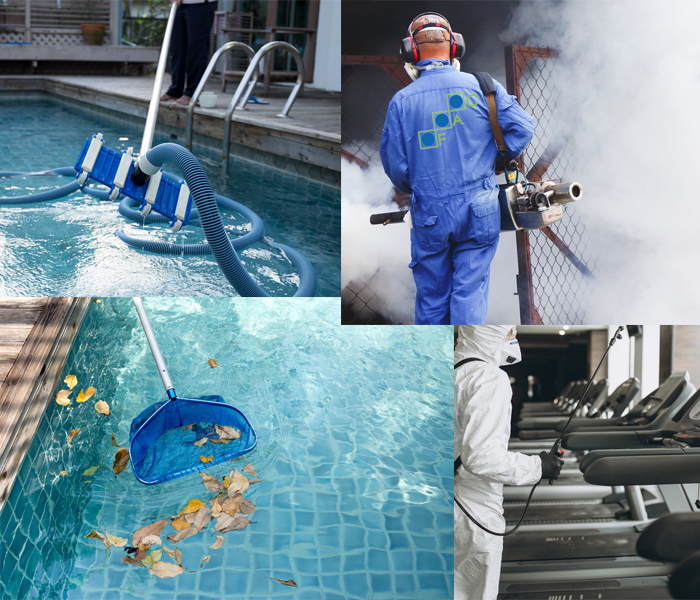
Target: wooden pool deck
[(311, 134), (36, 335)]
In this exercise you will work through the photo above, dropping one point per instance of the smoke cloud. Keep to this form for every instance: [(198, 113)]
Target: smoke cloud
[(627, 80)]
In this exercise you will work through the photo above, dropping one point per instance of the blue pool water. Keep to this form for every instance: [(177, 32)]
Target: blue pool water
[(354, 430), (68, 247)]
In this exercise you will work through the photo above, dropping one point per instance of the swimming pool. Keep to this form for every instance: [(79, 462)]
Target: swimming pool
[(354, 430), (68, 248)]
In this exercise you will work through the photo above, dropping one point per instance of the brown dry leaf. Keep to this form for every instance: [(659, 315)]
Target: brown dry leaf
[(176, 554), (127, 560), (89, 472), (180, 524), (63, 473), (141, 552), (102, 407), (250, 469), (181, 535), (201, 442), (73, 433), (192, 506), (189, 517), (212, 362), (149, 540), (96, 535), (205, 559), (152, 558), (62, 397), (186, 427), (121, 459), (166, 569), (212, 484), (248, 508), (218, 543), (115, 541), (169, 551), (71, 381), (215, 508), (220, 440), (237, 523), (206, 459), (152, 529), (114, 440), (202, 517), (255, 480), (223, 521), (239, 483), (289, 582), (230, 507), (227, 433)]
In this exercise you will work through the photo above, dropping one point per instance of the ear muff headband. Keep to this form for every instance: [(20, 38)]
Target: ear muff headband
[(409, 50)]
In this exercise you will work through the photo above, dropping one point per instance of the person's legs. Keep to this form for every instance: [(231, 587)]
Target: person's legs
[(200, 18), (178, 53)]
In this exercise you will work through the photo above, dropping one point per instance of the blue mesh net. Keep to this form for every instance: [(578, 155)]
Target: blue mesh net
[(162, 437)]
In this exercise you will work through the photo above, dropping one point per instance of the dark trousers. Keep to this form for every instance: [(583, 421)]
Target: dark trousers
[(189, 46)]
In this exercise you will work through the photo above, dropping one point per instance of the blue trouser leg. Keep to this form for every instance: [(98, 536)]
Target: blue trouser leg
[(471, 263), (433, 276)]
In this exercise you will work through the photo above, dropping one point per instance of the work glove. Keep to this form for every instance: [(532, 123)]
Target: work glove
[(551, 465)]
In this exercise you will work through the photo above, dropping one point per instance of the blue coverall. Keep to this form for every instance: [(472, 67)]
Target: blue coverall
[(438, 146)]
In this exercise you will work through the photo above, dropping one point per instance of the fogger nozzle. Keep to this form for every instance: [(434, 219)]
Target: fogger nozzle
[(565, 192)]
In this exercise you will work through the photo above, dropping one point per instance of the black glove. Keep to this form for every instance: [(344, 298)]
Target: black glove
[(551, 465)]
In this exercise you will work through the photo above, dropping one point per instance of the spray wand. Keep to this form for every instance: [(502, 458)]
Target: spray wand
[(555, 451)]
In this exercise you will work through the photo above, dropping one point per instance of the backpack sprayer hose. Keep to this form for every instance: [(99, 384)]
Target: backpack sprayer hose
[(555, 451)]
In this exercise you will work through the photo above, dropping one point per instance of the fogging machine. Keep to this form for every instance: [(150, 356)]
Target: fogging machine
[(524, 204)]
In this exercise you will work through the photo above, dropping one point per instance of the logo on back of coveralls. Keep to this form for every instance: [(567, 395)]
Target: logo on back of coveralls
[(443, 120)]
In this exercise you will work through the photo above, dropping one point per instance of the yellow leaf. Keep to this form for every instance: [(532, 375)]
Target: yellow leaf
[(71, 381), (73, 433), (192, 506), (62, 397), (206, 459), (201, 442), (96, 535), (89, 393), (89, 472), (102, 407), (63, 473), (97, 300), (115, 541), (218, 543), (121, 459), (212, 363), (152, 558), (227, 481), (180, 524), (166, 569)]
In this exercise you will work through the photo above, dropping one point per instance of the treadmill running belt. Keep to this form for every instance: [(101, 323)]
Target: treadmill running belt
[(561, 513), (641, 593), (525, 546)]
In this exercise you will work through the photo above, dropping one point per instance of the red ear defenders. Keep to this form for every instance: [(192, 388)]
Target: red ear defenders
[(409, 50)]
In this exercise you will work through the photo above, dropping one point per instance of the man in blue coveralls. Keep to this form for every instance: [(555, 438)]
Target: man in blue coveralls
[(438, 146)]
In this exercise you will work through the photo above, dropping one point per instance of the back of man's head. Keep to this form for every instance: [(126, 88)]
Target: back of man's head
[(434, 42)]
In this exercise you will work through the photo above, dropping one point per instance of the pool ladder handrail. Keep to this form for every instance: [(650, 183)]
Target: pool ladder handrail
[(244, 85), (210, 67)]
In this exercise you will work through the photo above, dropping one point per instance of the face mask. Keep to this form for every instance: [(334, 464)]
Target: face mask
[(510, 353)]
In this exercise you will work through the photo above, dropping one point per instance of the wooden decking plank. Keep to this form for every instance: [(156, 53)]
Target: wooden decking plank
[(25, 303), (10, 349), (15, 333), (18, 316)]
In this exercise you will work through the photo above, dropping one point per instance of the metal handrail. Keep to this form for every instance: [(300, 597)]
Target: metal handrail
[(150, 127), (244, 82), (210, 67)]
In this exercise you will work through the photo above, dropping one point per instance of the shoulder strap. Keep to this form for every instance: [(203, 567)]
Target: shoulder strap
[(488, 89), (458, 460)]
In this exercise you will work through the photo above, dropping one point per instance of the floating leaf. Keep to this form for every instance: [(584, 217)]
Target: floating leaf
[(205, 559), (149, 540), (73, 433), (97, 300), (223, 521), (218, 543), (96, 535), (63, 473), (141, 552), (255, 480), (89, 472), (176, 554), (102, 407), (215, 508), (181, 535), (127, 560), (289, 582), (202, 517), (86, 395), (186, 427), (230, 507), (71, 381), (180, 523), (115, 541), (239, 483), (206, 459), (237, 523), (201, 442), (166, 569), (190, 517), (227, 433), (114, 440), (62, 397), (152, 529), (250, 469), (121, 459), (212, 484), (212, 363), (152, 558), (192, 506)]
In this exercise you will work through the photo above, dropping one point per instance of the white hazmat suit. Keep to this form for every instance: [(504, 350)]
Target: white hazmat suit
[(482, 430)]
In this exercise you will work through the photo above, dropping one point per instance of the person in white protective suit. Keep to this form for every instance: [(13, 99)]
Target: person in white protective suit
[(482, 429)]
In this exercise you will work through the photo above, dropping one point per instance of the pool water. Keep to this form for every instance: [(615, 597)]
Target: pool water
[(354, 429), (68, 247)]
